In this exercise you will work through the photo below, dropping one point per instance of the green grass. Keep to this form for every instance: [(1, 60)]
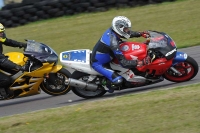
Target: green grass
[(181, 20), (160, 111)]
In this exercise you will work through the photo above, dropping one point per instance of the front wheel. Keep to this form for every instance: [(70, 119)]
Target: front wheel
[(55, 85), (85, 93), (188, 69)]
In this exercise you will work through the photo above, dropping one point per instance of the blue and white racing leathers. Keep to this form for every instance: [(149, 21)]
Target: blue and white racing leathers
[(105, 50)]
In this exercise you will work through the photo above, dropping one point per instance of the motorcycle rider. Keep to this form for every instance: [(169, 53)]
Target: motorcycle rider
[(108, 47), (5, 62)]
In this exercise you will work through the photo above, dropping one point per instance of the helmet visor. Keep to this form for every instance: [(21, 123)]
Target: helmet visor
[(1, 34), (127, 30)]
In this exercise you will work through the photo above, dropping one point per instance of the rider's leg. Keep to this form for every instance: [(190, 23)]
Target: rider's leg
[(4, 83), (102, 59), (115, 79), (5, 80)]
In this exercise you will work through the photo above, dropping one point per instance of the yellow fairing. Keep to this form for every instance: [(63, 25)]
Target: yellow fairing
[(29, 89), (17, 57), (56, 68), (30, 86), (36, 79), (46, 68)]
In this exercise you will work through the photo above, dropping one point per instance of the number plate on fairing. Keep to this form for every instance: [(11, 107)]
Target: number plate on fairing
[(75, 55)]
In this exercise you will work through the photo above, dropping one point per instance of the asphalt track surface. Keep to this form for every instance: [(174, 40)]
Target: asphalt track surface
[(45, 101)]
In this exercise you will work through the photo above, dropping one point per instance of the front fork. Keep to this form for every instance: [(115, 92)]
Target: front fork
[(180, 57)]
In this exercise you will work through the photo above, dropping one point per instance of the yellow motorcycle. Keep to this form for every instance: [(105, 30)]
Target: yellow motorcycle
[(43, 72)]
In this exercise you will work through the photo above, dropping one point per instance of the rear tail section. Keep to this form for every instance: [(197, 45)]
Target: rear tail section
[(78, 60)]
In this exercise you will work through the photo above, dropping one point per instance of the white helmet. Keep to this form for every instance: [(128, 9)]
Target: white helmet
[(122, 25)]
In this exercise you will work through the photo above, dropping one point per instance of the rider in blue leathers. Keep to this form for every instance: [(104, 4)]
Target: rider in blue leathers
[(108, 47)]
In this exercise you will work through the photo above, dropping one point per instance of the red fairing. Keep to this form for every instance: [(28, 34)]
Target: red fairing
[(133, 50), (161, 65)]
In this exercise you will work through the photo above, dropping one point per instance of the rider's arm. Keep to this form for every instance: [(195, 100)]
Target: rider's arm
[(135, 34), (13, 43), (139, 34), (10, 42), (115, 48), (126, 63)]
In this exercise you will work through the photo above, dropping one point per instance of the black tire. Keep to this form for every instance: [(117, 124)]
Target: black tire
[(62, 88), (52, 2), (13, 10), (8, 23), (19, 13), (85, 4), (40, 14), (99, 4), (84, 93), (11, 6), (6, 14), (15, 19), (31, 10), (26, 16), (27, 7), (69, 12), (189, 70), (53, 11), (40, 4), (58, 14), (46, 8), (110, 2), (33, 18), (23, 21)]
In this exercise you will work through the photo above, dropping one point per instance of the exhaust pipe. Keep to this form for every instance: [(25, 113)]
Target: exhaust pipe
[(81, 84)]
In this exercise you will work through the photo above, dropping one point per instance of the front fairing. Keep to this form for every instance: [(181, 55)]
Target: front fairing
[(40, 52), (163, 43)]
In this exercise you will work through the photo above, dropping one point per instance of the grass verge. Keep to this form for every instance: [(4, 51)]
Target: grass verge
[(161, 111)]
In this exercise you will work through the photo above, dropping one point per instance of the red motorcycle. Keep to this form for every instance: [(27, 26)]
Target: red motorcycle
[(165, 63)]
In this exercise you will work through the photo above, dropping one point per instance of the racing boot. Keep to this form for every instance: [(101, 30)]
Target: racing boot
[(111, 86), (3, 93)]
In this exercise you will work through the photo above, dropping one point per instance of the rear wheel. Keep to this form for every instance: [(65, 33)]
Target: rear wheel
[(188, 69), (85, 93), (55, 85)]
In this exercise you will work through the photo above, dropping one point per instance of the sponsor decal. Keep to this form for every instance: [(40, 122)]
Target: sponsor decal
[(185, 56), (157, 38), (125, 48), (76, 56), (133, 57), (170, 52), (173, 44), (135, 46), (65, 56), (161, 43)]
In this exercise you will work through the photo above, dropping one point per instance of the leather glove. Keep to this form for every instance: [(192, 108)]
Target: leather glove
[(145, 61), (22, 45), (145, 34)]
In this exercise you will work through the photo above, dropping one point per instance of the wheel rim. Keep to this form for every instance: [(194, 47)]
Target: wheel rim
[(60, 84), (185, 68)]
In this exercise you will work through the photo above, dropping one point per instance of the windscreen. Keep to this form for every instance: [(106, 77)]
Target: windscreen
[(163, 43), (40, 52), (157, 40), (33, 46)]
